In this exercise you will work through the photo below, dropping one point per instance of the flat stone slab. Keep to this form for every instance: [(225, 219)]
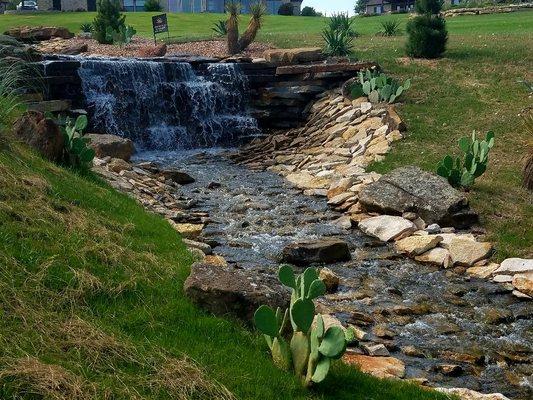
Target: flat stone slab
[(317, 68), (467, 252), (437, 256), (293, 56), (387, 227), (381, 367), (415, 245), (513, 266), (411, 189), (320, 251), (226, 290)]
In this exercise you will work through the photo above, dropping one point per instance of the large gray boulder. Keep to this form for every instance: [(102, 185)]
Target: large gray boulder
[(113, 146), (229, 290), (11, 48), (411, 189), (320, 251)]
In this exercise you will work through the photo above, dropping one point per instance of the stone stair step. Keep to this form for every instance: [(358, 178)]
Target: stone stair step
[(50, 106)]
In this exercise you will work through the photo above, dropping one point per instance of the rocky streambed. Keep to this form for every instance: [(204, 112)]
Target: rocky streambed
[(425, 323)]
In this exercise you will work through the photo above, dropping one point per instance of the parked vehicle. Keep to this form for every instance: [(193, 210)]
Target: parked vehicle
[(28, 5)]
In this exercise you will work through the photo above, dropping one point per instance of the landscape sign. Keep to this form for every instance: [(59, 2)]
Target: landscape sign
[(159, 24)]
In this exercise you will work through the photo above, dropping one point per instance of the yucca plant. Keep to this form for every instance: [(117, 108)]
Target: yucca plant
[(338, 42), (12, 79), (220, 28), (390, 28), (342, 22), (232, 26), (86, 27), (257, 12)]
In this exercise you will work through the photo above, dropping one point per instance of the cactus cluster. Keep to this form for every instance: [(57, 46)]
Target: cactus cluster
[(379, 87), (312, 347), (462, 173)]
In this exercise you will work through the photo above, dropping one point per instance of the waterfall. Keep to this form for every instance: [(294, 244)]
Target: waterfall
[(167, 105)]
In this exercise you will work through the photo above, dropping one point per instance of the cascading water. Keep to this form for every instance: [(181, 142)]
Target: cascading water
[(166, 105)]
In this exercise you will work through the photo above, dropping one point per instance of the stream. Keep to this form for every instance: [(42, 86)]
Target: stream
[(448, 329)]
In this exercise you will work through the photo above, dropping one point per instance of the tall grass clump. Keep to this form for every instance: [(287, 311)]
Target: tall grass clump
[(427, 31), (12, 80)]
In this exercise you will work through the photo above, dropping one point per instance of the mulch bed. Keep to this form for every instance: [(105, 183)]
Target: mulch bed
[(207, 48)]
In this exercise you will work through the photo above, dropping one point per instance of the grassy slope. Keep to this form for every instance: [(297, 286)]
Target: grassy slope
[(92, 283), (473, 87)]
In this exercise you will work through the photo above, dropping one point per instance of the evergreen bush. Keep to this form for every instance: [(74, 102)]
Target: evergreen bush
[(107, 17), (286, 9), (427, 31), (152, 5)]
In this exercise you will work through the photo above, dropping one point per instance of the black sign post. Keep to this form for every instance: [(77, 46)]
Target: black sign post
[(160, 25)]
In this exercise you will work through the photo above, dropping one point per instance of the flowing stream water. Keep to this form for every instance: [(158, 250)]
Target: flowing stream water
[(426, 316)]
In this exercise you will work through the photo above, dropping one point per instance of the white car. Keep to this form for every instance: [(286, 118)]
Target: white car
[(27, 5)]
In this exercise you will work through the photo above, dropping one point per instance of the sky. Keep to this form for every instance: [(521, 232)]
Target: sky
[(330, 6)]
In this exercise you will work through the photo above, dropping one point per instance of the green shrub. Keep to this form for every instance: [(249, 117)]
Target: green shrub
[(220, 28), (77, 154), (86, 27), (309, 12), (390, 28), (462, 173), (107, 17), (427, 31), (152, 5), (121, 37), (286, 9), (312, 348)]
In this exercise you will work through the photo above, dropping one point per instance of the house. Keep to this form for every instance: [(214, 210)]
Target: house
[(3, 6), (218, 6), (374, 7), (67, 5)]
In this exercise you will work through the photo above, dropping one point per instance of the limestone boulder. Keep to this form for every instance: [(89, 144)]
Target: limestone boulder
[(60, 46), (416, 245), (411, 189), (178, 177), (524, 283), (227, 290), (381, 367), (113, 146), (437, 256), (293, 56), (40, 133), (153, 51), (468, 394), (330, 279), (304, 180), (39, 33), (387, 227), (467, 252), (511, 266), (320, 251)]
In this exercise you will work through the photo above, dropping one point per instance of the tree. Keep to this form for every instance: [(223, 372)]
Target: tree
[(308, 12), (286, 9), (108, 16), (360, 6), (427, 31), (232, 25)]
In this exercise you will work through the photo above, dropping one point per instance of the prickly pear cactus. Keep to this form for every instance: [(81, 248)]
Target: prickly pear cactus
[(474, 164), (312, 347)]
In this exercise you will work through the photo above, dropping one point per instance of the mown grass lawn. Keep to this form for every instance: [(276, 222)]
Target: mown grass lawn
[(91, 291), (474, 87)]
